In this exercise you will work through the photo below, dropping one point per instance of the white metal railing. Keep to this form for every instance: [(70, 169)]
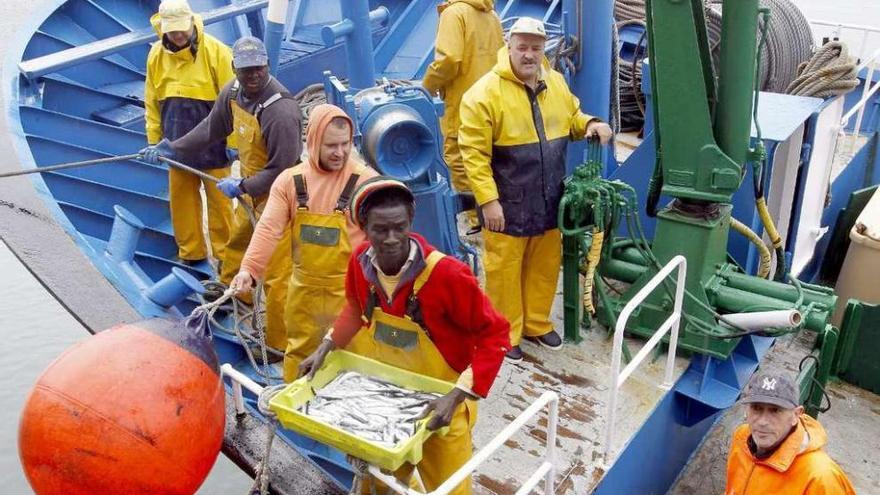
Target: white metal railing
[(239, 379), (838, 28), (618, 377), (546, 470), (867, 92)]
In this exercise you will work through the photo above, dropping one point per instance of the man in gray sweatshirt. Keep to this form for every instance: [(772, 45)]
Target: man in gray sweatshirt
[(266, 123)]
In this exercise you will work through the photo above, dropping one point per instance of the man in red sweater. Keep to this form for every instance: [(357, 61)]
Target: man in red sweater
[(413, 307)]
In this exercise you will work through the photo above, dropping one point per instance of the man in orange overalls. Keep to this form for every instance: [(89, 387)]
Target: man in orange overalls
[(411, 306)]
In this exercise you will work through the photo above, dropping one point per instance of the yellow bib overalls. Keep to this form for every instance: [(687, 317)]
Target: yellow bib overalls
[(316, 294), (253, 157), (402, 342)]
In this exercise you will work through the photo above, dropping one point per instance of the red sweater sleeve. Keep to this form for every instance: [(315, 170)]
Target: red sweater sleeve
[(348, 322), (470, 309)]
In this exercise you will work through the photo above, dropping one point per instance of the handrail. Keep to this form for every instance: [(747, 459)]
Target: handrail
[(618, 377), (840, 26), (867, 92), (239, 379), (546, 470)]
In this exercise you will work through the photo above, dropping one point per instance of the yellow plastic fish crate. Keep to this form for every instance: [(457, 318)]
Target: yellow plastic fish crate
[(286, 403)]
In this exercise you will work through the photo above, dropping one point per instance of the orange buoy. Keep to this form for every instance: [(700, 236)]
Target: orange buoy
[(136, 409)]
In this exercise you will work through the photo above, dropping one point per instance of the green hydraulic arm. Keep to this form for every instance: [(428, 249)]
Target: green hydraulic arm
[(702, 123)]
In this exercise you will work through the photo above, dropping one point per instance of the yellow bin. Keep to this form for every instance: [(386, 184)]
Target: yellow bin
[(286, 403)]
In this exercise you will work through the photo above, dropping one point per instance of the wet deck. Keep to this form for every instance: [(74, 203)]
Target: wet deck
[(580, 375)]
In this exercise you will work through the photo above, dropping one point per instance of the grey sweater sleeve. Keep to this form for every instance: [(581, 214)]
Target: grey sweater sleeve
[(281, 126), (216, 126)]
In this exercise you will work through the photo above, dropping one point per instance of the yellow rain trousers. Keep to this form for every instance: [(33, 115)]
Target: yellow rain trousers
[(317, 286), (179, 90), (469, 35), (185, 200), (521, 278), (253, 156), (383, 340)]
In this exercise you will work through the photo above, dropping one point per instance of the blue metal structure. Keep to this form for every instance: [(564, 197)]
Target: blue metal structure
[(81, 97)]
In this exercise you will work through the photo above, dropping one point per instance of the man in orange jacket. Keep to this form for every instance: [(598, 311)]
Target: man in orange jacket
[(779, 450)]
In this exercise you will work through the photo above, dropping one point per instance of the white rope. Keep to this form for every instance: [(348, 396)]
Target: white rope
[(261, 470)]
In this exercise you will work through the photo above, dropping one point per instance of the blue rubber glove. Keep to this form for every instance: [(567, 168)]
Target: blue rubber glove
[(152, 153), (231, 187), (231, 154)]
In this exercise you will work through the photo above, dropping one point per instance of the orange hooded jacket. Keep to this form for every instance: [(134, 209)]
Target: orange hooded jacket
[(799, 466), (324, 190)]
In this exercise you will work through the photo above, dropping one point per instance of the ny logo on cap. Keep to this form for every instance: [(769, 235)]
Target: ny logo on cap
[(769, 384)]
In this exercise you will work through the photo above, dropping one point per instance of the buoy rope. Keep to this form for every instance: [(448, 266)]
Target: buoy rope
[(240, 313), (261, 470)]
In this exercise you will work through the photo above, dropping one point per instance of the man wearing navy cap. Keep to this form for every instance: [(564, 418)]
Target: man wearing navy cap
[(267, 123)]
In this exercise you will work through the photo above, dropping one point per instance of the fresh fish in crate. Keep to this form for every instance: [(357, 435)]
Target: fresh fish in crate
[(369, 408)]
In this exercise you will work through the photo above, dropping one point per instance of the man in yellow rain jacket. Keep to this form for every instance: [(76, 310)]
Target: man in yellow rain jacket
[(268, 129), (312, 199), (516, 122), (779, 449), (186, 69), (468, 38)]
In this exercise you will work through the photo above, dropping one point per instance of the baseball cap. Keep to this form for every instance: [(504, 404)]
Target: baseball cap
[(175, 15), (371, 187), (772, 387), (528, 25), (249, 52)]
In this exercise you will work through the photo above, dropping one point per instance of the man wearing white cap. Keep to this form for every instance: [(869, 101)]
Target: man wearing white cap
[(186, 69), (516, 122)]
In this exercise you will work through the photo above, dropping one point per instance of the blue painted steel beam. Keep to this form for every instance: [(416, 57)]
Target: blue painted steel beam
[(403, 29), (591, 21), (79, 100), (67, 30), (129, 174), (68, 58), (95, 224), (101, 197), (356, 28), (92, 73), (92, 16), (276, 17), (87, 133)]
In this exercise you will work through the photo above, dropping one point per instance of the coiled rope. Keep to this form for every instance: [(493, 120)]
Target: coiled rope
[(830, 72), (788, 44)]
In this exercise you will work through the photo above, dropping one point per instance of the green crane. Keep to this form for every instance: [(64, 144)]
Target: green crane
[(702, 133)]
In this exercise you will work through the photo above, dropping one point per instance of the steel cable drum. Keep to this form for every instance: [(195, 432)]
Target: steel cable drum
[(789, 42), (398, 142), (138, 408)]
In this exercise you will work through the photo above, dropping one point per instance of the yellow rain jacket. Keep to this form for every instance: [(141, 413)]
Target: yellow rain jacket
[(194, 74), (513, 141), (799, 466), (180, 89), (468, 38)]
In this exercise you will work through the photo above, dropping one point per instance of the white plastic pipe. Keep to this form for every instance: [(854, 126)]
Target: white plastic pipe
[(764, 319)]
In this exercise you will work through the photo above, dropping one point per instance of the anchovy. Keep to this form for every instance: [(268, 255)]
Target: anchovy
[(370, 408)]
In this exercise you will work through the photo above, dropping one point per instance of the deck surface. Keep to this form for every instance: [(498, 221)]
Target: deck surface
[(580, 375)]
